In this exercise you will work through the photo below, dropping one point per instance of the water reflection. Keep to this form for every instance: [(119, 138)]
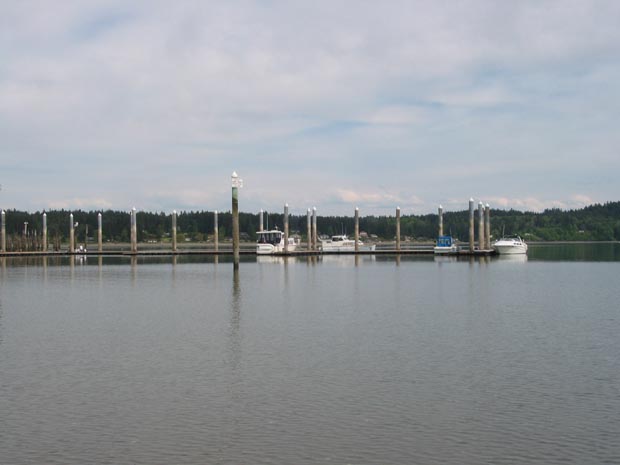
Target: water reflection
[(235, 320)]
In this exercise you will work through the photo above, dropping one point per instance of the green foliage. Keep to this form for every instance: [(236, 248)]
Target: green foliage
[(599, 222)]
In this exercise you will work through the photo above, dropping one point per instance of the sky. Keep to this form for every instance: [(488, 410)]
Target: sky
[(334, 104)]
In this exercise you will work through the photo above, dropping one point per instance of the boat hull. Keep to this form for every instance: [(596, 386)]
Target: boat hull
[(511, 249)]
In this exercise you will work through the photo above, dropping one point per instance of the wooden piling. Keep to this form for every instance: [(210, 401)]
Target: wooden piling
[(134, 231), (235, 218), (398, 229), (440, 214), (174, 230), (314, 230), (216, 232), (487, 224), (260, 220), (357, 229), (3, 232), (286, 228), (481, 240), (44, 238), (71, 234), (309, 228), (471, 225), (99, 233)]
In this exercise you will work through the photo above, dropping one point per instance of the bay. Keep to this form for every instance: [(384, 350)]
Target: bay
[(339, 360)]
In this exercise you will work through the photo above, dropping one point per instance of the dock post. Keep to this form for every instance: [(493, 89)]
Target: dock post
[(440, 214), (134, 231), (174, 230), (357, 229), (481, 241), (471, 225), (236, 183), (44, 245), (309, 229), (314, 230), (3, 232), (260, 220), (487, 226), (398, 229), (216, 232), (71, 234), (286, 228), (99, 233)]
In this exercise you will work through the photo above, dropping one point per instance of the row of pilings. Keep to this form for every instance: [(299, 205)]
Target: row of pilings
[(40, 242), (484, 227)]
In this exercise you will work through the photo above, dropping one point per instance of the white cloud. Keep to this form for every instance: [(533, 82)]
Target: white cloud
[(311, 98)]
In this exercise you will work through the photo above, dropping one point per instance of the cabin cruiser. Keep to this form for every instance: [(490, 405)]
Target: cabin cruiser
[(341, 243), (445, 245), (510, 245), (270, 242)]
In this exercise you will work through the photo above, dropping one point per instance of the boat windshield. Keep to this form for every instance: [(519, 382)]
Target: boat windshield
[(269, 237)]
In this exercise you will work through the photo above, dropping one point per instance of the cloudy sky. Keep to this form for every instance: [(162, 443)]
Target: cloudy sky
[(335, 104)]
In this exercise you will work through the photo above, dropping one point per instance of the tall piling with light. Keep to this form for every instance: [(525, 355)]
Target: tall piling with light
[(71, 234), (44, 238), (99, 233), (3, 232), (357, 229), (471, 225), (481, 241), (286, 228), (314, 229), (398, 229), (309, 228), (260, 220), (487, 226), (440, 214), (174, 230), (236, 184), (216, 232)]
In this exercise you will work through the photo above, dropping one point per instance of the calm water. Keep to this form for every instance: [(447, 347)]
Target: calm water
[(329, 361)]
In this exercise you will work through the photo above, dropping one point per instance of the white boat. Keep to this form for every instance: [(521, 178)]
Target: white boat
[(445, 245), (342, 243), (270, 242), (510, 245)]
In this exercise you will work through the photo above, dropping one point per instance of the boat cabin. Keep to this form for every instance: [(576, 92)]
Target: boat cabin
[(269, 237), (445, 241)]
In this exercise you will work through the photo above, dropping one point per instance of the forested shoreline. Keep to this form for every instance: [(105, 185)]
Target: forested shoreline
[(599, 222)]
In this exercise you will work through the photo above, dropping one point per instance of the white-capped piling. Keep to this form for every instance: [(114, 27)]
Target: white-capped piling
[(134, 231), (3, 232), (216, 232), (481, 241), (44, 238), (260, 220), (71, 234), (357, 229), (471, 225), (99, 233), (174, 230), (487, 226), (314, 230), (286, 228), (309, 228), (398, 229), (236, 183), (440, 214)]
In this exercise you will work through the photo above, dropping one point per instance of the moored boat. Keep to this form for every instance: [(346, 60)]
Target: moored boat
[(445, 245), (341, 243), (270, 242), (510, 245)]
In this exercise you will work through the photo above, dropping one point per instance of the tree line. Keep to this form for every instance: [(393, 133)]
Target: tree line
[(599, 222)]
